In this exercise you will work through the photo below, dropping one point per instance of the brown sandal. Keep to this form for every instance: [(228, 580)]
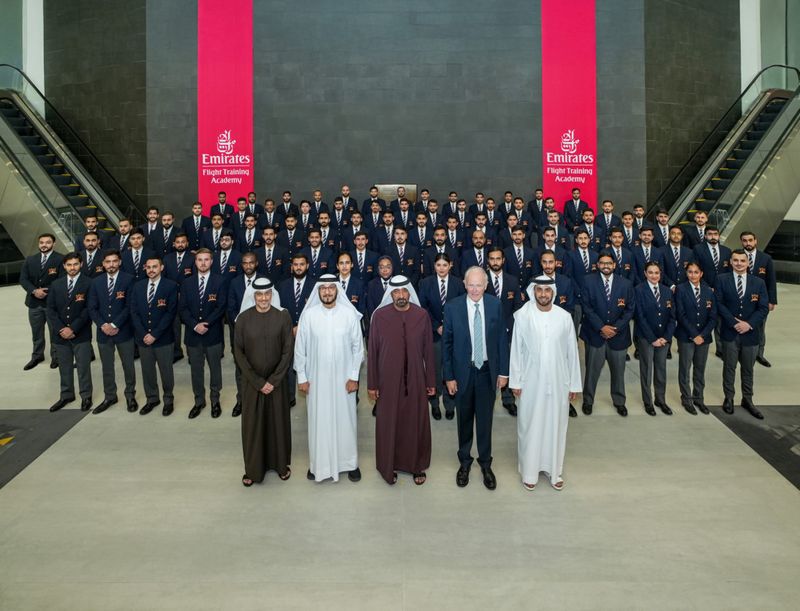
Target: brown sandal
[(246, 481), (286, 475), (419, 478)]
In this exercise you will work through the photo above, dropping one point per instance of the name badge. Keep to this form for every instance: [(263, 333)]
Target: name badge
[(510, 295), (354, 299), (762, 270), (187, 271), (669, 303), (562, 299), (231, 269)]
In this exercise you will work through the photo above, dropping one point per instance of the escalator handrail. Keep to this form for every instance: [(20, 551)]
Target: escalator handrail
[(130, 202), (713, 130)]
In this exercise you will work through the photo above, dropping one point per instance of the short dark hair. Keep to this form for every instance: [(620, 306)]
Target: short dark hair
[(46, 235), (71, 256)]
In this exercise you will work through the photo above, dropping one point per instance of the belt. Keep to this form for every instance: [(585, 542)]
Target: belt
[(483, 365)]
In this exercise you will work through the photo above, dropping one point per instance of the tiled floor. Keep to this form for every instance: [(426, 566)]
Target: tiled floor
[(131, 512)]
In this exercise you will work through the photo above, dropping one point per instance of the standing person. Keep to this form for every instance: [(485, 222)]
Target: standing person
[(545, 376), (294, 294), (202, 309), (109, 308), (475, 355), (263, 346), (697, 317), (195, 225), (654, 327), (237, 289), (743, 305), (68, 317), (328, 352), (178, 266), (401, 376), (37, 274), (760, 265), (608, 304), (154, 307)]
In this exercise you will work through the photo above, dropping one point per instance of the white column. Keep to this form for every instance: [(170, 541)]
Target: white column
[(33, 47)]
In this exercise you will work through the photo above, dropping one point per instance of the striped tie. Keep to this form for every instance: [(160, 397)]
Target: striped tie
[(607, 287), (110, 287), (361, 262), (136, 259), (223, 260), (496, 285), (519, 258), (739, 286), (585, 260), (151, 293), (657, 295), (676, 252), (269, 258), (443, 292), (70, 287), (297, 293), (647, 254), (697, 296), (752, 262), (201, 289), (480, 257), (715, 256), (619, 255)]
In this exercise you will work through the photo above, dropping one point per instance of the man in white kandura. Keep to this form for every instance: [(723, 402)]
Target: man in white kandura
[(328, 351), (545, 376)]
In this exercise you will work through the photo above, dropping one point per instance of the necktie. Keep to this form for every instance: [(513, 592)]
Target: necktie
[(664, 234), (421, 236), (752, 262), (628, 236), (405, 218), (197, 224), (443, 291), (338, 217), (305, 219), (647, 254), (385, 284), (519, 258), (297, 293), (676, 252), (585, 260), (461, 217), (291, 237), (324, 236), (151, 293), (269, 219), (122, 242), (269, 258), (249, 282), (361, 262), (201, 287), (136, 258), (619, 255), (70, 287), (110, 287), (452, 239), (344, 286), (480, 257), (433, 219), (697, 296), (216, 239), (701, 234), (477, 338), (739, 286), (607, 288), (249, 237), (89, 259), (401, 252), (496, 285), (657, 294), (314, 256), (608, 222), (179, 259), (223, 260), (388, 234), (715, 256), (374, 219), (166, 235), (591, 232)]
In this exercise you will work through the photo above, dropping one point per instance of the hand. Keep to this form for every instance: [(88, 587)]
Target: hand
[(431, 390), (148, 340), (201, 328), (502, 381), (572, 396), (440, 330), (351, 386), (452, 386), (108, 328), (516, 392), (373, 394), (66, 333), (267, 388), (699, 341), (772, 306), (608, 331), (39, 293), (303, 388), (742, 326), (294, 331)]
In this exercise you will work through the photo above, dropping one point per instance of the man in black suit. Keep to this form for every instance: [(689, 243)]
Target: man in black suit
[(661, 229), (211, 236), (455, 235), (424, 201), (294, 292), (249, 237), (382, 238), (394, 205), (317, 205), (550, 242), (713, 257), (629, 230), (223, 208), (91, 258), (286, 206), (573, 210), (270, 216), (475, 256), (373, 218), (405, 257), (440, 246), (273, 260), (329, 236), (479, 205), (89, 226), (194, 226), (405, 215), (676, 258), (133, 259), (365, 261), (760, 265), (366, 206), (607, 218), (68, 317), (238, 218), (638, 215), (253, 207), (696, 234), (292, 237), (226, 261), (160, 241), (451, 205), (350, 201), (151, 224), (622, 256), (37, 274), (421, 234), (120, 240), (377, 287), (178, 266), (562, 236), (321, 258), (520, 258)]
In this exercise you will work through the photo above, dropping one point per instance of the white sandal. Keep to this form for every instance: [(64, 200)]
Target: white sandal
[(559, 485), (528, 487)]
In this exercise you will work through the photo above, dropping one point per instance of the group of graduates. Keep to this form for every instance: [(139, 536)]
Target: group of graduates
[(152, 289)]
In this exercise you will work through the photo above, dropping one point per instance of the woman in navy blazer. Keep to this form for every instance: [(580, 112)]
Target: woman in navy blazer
[(697, 317)]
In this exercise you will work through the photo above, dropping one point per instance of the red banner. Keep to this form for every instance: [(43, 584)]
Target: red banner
[(224, 99), (569, 112)]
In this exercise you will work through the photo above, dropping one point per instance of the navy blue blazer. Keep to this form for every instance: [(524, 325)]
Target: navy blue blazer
[(429, 258), (347, 236), (600, 219), (237, 221), (97, 264), (270, 219), (282, 210), (570, 216), (703, 256), (457, 340), (157, 317), (576, 268), (624, 263), (511, 298), (297, 243), (597, 239), (694, 319), (409, 266), (654, 319), (115, 310), (370, 224), (236, 288), (656, 254), (765, 269), (278, 268), (658, 237), (207, 240), (562, 236), (366, 205), (32, 276), (469, 259), (115, 243), (210, 310), (691, 237), (489, 232), (633, 242), (427, 239), (226, 213), (286, 292), (431, 301), (128, 267), (598, 312), (233, 266), (102, 240), (752, 308), (370, 266), (70, 311), (565, 293), (458, 244), (241, 241), (375, 292), (674, 274), (187, 226), (355, 293), (158, 244), (325, 262), (379, 241), (175, 273), (504, 239), (562, 260)]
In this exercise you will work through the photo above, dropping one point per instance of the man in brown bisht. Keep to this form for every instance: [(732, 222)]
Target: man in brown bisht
[(400, 377), (263, 347)]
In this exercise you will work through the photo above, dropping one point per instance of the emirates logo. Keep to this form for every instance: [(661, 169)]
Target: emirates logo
[(225, 144), (568, 142)]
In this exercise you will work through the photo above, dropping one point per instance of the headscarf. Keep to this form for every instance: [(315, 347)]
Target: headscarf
[(398, 282), (541, 281), (342, 301), (259, 284)]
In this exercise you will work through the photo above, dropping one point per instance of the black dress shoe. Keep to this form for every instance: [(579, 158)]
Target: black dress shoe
[(53, 364), (176, 358), (293, 402), (86, 404), (216, 410), (354, 475), (237, 410), (511, 408), (310, 475), (627, 357), (449, 414), (148, 407), (32, 363), (195, 411), (61, 403), (636, 354), (572, 412), (168, 409), (649, 409), (669, 355), (664, 408), (462, 477), (586, 409), (374, 410), (436, 412), (94, 358), (718, 354), (489, 479), (690, 408), (621, 410), (754, 412), (762, 361), (701, 406), (727, 406), (104, 405), (133, 405)]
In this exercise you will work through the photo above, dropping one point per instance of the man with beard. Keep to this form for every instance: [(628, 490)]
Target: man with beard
[(401, 376), (519, 257), (91, 264), (35, 277), (440, 246), (376, 288), (545, 375), (760, 265), (236, 292), (405, 257), (294, 292), (194, 226), (273, 260), (714, 260), (292, 237), (475, 256), (328, 352), (178, 266), (263, 347), (644, 253)]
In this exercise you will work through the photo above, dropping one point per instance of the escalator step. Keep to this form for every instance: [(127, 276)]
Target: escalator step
[(40, 150), (720, 183), (79, 200), (704, 205), (46, 159), (62, 179), (727, 172), (18, 123), (734, 163), (740, 153), (70, 190), (756, 134), (713, 194), (748, 145), (29, 140), (11, 112)]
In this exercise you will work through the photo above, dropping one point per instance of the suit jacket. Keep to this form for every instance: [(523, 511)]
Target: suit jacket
[(114, 310), (355, 293), (278, 269), (469, 259), (691, 237), (241, 241), (367, 204), (375, 292), (430, 299), (624, 262), (306, 223), (639, 263), (427, 237), (675, 273), (565, 293), (236, 289), (347, 236), (70, 311), (764, 268), (325, 262), (562, 235), (457, 340), (607, 225), (504, 239), (370, 266), (511, 298), (233, 266), (282, 210), (96, 267), (597, 237), (458, 244), (286, 292), (211, 309), (237, 223), (562, 260), (177, 273), (598, 312), (752, 308), (32, 276), (128, 266), (577, 269), (227, 213), (409, 266), (633, 242), (379, 241), (654, 319), (331, 240), (710, 272), (525, 273), (570, 216), (157, 317), (158, 244), (658, 237), (429, 258), (409, 221), (114, 242), (369, 223), (187, 226), (296, 244), (207, 240), (270, 219), (694, 319)]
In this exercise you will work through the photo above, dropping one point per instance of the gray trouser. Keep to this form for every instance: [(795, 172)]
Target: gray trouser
[(68, 355), (595, 358), (577, 315), (441, 389), (37, 317), (762, 338), (177, 329), (149, 356), (125, 351), (692, 359), (733, 353), (198, 355), (652, 370)]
